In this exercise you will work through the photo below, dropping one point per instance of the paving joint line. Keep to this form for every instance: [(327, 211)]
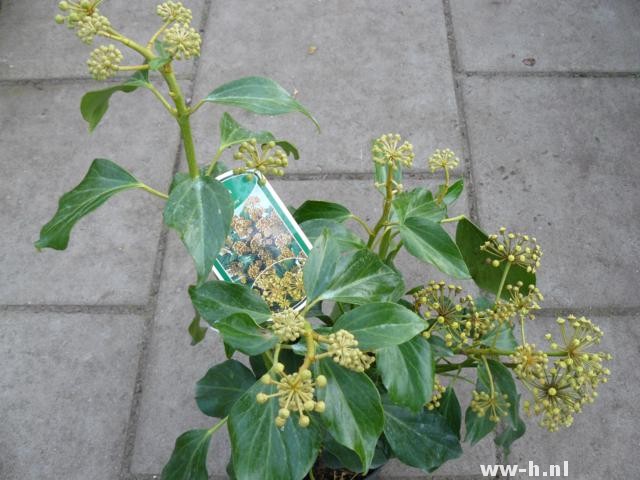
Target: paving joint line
[(548, 74), (36, 82), (611, 311), (149, 324), (113, 309), (304, 176), (462, 118)]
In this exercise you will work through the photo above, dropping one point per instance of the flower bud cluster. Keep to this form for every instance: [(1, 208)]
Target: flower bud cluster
[(494, 403), (104, 61), (387, 150), (524, 304), (295, 393), (436, 396), (268, 158), (288, 325), (174, 12), (85, 18), (182, 41), (443, 160), (343, 347), (530, 363), (513, 248)]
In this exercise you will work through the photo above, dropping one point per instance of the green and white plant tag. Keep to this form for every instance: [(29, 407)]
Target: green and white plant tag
[(266, 248)]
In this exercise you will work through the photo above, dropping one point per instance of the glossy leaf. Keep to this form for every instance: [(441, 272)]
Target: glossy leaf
[(380, 325), (418, 202), (313, 209), (196, 331), (103, 180), (189, 458), (232, 133), (215, 300), (200, 210), (450, 409), (258, 95), (340, 457), (469, 239), (429, 242), (95, 104), (453, 192), (222, 386), (346, 239), (501, 338), (353, 414), (407, 372), (359, 276), (289, 148), (423, 440), (260, 450), (439, 348), (241, 332)]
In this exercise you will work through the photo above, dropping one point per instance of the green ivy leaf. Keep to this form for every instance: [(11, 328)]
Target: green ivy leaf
[(469, 239), (262, 451), (258, 95), (200, 210), (103, 180), (407, 372), (359, 276), (189, 458), (429, 242), (336, 456), (450, 409), (241, 332), (232, 133), (163, 57), (418, 202), (423, 440), (314, 209), (289, 148), (439, 347), (453, 192), (380, 325), (501, 338), (95, 104), (479, 427), (196, 331), (353, 414), (345, 238), (215, 300), (222, 386)]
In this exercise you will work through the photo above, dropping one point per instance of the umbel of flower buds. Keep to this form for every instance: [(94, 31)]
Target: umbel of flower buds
[(443, 160), (104, 62), (174, 12), (182, 41), (513, 248), (387, 150), (268, 158), (344, 350), (288, 325), (295, 393)]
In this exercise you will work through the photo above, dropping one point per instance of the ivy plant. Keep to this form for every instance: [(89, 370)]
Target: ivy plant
[(368, 369)]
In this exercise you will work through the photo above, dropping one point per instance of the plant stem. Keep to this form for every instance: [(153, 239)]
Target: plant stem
[(502, 280), (163, 100), (153, 191), (453, 219), (214, 161), (217, 426), (386, 209), (362, 223), (131, 68), (158, 33)]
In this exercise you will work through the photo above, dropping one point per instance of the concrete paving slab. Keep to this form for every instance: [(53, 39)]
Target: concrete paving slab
[(604, 439), (32, 46), (556, 158), (378, 67), (47, 152), (65, 392), (521, 35)]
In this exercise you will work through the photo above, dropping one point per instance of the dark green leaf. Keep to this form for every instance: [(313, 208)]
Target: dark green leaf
[(189, 458), (260, 450), (439, 347), (241, 332), (418, 202), (215, 300), (232, 133), (353, 414), (341, 457), (407, 372), (313, 209), (258, 95), (354, 276), (95, 104), (423, 440), (469, 239), (501, 338), (196, 331), (479, 427), (450, 409), (222, 386), (103, 180), (381, 325), (200, 210), (341, 234), (162, 59), (289, 148), (429, 242), (453, 192)]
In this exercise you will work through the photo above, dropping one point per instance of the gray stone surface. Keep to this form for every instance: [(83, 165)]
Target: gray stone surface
[(34, 46), (497, 35), (556, 157), (379, 66), (46, 151), (65, 392), (603, 441)]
